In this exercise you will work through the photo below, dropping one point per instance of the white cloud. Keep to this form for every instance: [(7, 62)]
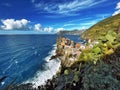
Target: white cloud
[(90, 23), (118, 5), (66, 7), (23, 24), (74, 6), (12, 24), (48, 29), (70, 24), (77, 5), (84, 27), (79, 20), (117, 9), (59, 29), (38, 27), (81, 25), (116, 12)]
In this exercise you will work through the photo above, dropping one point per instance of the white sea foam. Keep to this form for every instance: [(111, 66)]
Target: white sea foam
[(51, 53), (51, 68), (2, 83)]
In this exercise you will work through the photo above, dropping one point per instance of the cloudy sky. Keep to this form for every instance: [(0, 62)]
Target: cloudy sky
[(49, 16)]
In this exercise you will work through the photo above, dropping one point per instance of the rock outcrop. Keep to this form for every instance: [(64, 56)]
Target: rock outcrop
[(68, 51), (72, 32)]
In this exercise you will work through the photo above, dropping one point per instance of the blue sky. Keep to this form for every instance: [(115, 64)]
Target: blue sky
[(50, 16)]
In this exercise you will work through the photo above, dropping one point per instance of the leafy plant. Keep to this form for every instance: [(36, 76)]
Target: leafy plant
[(100, 77), (66, 72), (106, 46)]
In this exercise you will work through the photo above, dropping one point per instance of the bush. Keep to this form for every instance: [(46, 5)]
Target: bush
[(100, 77)]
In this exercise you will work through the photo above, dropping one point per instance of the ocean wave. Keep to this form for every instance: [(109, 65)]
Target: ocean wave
[(51, 67)]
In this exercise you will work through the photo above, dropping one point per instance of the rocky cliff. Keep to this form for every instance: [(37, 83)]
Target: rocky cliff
[(73, 32)]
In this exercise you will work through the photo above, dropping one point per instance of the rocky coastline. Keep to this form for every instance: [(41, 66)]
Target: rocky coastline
[(68, 52), (77, 71)]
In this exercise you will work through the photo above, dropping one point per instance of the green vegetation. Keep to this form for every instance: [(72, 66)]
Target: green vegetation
[(66, 72), (106, 46), (102, 27), (100, 77), (98, 68), (105, 75)]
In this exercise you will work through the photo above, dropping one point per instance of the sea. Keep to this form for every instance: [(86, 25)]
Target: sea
[(26, 58)]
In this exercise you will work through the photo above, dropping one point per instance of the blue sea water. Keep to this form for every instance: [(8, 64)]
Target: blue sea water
[(26, 58)]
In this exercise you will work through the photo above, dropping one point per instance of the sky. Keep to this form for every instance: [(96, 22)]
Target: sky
[(50, 16)]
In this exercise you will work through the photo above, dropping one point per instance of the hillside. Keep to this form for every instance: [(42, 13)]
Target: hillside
[(102, 27), (73, 32)]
